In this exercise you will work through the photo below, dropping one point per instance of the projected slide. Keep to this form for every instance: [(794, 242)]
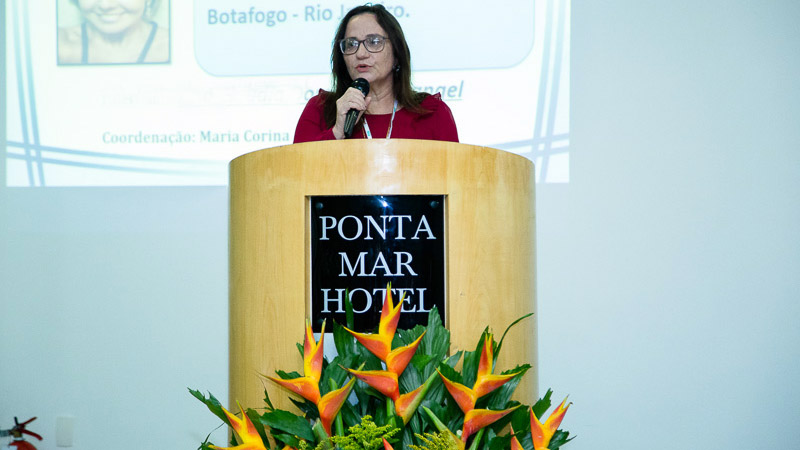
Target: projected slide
[(185, 86)]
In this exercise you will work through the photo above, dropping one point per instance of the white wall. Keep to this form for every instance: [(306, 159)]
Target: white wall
[(668, 269), (113, 302)]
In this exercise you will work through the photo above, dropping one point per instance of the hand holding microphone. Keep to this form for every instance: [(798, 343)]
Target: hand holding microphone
[(351, 105)]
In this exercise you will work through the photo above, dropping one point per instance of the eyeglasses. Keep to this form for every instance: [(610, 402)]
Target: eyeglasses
[(374, 43)]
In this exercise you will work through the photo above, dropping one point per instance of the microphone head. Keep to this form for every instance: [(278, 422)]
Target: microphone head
[(361, 84)]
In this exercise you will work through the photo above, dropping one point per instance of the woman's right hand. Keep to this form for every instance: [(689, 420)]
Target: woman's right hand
[(352, 99)]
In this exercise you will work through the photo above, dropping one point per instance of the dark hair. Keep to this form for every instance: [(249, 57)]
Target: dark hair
[(406, 96)]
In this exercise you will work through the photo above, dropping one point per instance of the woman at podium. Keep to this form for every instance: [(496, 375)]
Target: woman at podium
[(370, 45)]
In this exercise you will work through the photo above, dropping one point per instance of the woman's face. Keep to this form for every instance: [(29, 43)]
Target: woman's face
[(112, 16), (373, 67)]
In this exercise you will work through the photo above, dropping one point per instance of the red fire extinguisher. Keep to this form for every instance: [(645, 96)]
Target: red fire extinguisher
[(17, 432)]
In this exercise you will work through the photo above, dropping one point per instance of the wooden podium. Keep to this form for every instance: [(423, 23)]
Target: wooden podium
[(490, 246)]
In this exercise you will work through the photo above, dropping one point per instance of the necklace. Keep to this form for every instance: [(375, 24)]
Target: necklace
[(368, 134)]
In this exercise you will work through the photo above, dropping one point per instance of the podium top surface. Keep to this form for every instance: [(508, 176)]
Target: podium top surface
[(377, 146)]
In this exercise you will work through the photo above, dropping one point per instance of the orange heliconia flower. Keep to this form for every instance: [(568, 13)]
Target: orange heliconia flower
[(331, 403), (246, 431), (386, 383), (383, 381), (397, 360), (381, 344), (542, 433), (313, 352), (486, 382), (407, 404), (307, 386), (464, 396), (476, 419)]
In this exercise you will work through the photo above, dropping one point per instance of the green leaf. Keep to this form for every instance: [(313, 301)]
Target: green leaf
[(422, 362), (454, 417), (365, 400), (476, 439), (440, 426), (407, 439), (343, 341), (490, 434), (287, 439), (403, 337), (322, 436), (500, 442), (349, 415), (288, 423), (212, 403), (287, 375), (380, 412), (560, 437), (414, 426), (543, 404), (308, 408), (441, 403), (205, 445), (437, 394), (521, 421), (409, 380), (436, 342), (450, 373), (267, 400), (500, 344), (453, 360)]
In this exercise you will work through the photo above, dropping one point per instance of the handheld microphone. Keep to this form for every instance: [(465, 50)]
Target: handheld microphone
[(350, 120)]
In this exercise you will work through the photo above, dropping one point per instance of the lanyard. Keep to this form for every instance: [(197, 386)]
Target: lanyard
[(391, 123)]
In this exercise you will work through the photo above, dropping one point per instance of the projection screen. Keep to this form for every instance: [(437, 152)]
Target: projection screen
[(221, 78)]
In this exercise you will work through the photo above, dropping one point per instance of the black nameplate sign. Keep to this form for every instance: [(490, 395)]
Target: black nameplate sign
[(361, 243)]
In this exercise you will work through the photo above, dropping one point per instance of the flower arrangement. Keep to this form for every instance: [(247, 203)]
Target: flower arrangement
[(396, 388)]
